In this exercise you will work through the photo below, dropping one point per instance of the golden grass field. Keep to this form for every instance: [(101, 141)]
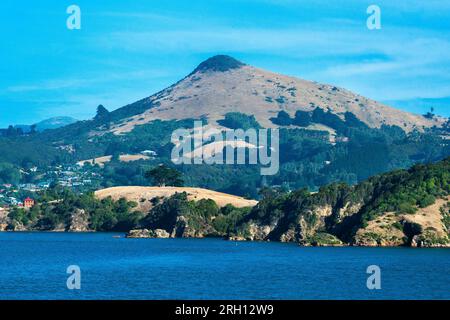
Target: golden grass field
[(143, 195), (124, 158), (263, 94)]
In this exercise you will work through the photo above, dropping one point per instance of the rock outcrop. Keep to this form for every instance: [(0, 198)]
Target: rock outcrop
[(79, 221), (146, 233)]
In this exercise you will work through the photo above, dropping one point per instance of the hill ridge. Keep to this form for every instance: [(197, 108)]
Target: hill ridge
[(222, 84)]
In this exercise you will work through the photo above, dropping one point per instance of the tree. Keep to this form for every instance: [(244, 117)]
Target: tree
[(282, 119), (13, 132), (430, 114), (103, 116), (9, 173), (302, 118), (267, 193), (237, 120), (165, 176)]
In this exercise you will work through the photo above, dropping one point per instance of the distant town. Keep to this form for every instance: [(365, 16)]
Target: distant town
[(66, 176), (83, 176)]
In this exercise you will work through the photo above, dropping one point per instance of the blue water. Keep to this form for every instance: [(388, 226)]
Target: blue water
[(33, 266)]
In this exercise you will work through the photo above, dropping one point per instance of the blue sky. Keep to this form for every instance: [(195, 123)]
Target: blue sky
[(127, 50)]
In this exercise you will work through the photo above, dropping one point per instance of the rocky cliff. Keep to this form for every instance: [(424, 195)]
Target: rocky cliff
[(402, 208)]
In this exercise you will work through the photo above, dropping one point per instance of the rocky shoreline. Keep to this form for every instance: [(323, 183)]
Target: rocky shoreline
[(384, 211), (163, 234)]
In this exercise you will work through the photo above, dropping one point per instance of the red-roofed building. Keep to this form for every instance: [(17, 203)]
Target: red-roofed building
[(28, 202)]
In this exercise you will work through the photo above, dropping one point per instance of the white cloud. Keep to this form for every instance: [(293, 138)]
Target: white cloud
[(98, 79)]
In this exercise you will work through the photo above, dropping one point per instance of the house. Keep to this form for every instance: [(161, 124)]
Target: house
[(149, 153), (44, 184), (29, 187), (28, 202), (13, 201)]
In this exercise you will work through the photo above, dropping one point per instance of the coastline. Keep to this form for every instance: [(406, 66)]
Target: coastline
[(126, 235), (182, 268)]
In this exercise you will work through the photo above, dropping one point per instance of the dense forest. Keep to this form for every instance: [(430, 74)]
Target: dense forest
[(337, 214), (300, 214), (308, 158), (57, 208)]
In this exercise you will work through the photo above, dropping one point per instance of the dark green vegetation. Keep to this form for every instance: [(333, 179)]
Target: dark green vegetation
[(220, 63), (302, 216), (445, 211), (282, 119), (337, 214), (61, 209), (333, 216), (201, 218), (163, 175), (307, 157), (9, 173), (406, 191), (236, 120)]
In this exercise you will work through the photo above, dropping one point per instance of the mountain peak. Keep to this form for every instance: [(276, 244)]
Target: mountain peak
[(219, 63), (222, 84)]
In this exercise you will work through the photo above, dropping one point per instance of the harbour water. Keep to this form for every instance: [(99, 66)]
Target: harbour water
[(34, 266)]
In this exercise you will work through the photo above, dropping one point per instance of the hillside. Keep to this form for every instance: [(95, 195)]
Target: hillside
[(123, 209), (105, 159), (144, 195), (404, 207), (401, 208), (327, 134), (221, 85)]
